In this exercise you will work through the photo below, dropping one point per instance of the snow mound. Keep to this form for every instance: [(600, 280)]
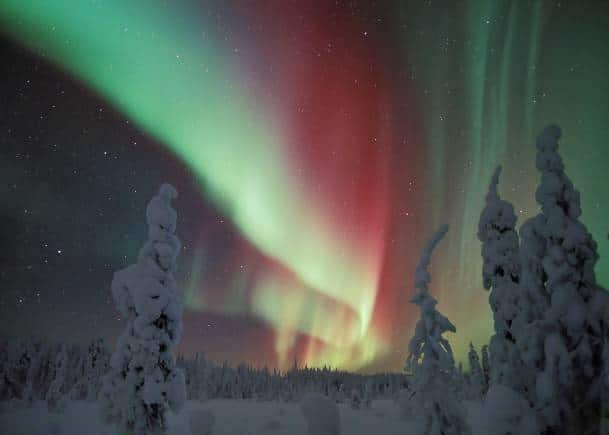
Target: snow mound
[(321, 414), (502, 411), (272, 425), (201, 422)]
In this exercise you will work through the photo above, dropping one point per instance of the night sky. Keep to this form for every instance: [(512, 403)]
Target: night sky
[(315, 146)]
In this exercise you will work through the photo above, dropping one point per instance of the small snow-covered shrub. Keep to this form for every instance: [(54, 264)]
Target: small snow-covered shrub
[(321, 414), (201, 422), (356, 399)]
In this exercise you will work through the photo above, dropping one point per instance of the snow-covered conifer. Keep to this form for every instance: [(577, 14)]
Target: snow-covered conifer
[(78, 390), (35, 381), (98, 362), (55, 396), (430, 359), (355, 398), (605, 392), (501, 275), (144, 382), (476, 387), (92, 366), (15, 370), (496, 230), (561, 326), (29, 394), (486, 365)]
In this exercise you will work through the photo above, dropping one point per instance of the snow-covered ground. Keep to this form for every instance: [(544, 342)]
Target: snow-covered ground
[(232, 417)]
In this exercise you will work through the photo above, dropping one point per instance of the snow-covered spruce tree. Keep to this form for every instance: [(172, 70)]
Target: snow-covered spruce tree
[(33, 370), (605, 393), (501, 275), (92, 365), (562, 322), (476, 387), (604, 424), (434, 401), (35, 381), (55, 396), (15, 365), (486, 364), (143, 381), (97, 364), (78, 390)]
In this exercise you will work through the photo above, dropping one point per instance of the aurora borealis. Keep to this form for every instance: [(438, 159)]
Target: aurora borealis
[(332, 138)]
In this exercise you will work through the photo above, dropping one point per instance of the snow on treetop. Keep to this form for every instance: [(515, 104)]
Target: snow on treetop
[(556, 190), (548, 139), (498, 214), (492, 190), (422, 277), (168, 192), (159, 212)]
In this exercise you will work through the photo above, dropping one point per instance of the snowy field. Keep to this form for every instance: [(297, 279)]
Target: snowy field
[(232, 417)]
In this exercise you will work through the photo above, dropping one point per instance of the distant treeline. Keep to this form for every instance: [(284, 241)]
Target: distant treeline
[(34, 370)]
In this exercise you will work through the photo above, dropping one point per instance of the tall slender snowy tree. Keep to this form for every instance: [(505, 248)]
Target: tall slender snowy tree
[(507, 379), (144, 382), (476, 386), (562, 322), (486, 364), (501, 275), (434, 403)]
